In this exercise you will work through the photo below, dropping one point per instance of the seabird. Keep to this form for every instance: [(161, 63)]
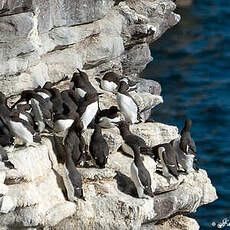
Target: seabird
[(71, 99), (88, 108), (23, 130), (140, 175), (168, 158), (80, 83), (72, 142), (98, 147), (44, 91), (63, 122), (131, 140), (41, 110), (127, 104), (187, 144), (107, 118), (58, 104), (73, 183), (132, 85), (110, 82)]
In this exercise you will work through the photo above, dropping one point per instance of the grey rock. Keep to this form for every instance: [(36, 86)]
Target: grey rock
[(135, 59), (150, 86), (16, 26)]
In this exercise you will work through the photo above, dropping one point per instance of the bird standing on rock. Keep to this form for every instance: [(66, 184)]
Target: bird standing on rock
[(127, 104), (186, 149), (131, 140), (98, 147), (81, 85), (110, 82), (73, 183), (140, 175), (23, 130), (88, 109), (168, 158), (72, 142), (108, 117)]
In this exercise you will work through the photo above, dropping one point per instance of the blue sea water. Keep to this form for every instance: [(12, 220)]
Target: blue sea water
[(192, 64)]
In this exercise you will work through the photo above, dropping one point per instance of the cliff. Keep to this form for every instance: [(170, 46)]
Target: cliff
[(46, 40)]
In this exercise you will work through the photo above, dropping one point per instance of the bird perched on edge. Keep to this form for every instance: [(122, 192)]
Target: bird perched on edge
[(88, 108), (98, 147), (186, 149), (107, 118), (168, 158), (80, 84), (140, 175), (73, 183), (131, 140), (23, 130), (72, 142), (127, 104)]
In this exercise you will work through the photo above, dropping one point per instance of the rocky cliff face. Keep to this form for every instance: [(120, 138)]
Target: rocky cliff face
[(45, 40)]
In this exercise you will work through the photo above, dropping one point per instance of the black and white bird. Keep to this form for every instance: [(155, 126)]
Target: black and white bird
[(42, 111), (140, 175), (73, 182), (88, 109), (132, 85), (186, 149), (107, 118), (23, 130), (62, 122), (99, 148), (127, 104), (44, 91), (168, 159), (24, 111), (72, 142), (110, 82), (80, 83), (71, 99), (131, 140), (59, 106), (187, 144)]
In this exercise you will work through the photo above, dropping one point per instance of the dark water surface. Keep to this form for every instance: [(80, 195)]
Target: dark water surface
[(192, 63)]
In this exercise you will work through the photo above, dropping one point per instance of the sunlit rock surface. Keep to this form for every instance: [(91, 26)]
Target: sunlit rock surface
[(46, 40)]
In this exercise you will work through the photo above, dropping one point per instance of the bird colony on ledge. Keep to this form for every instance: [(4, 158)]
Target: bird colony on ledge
[(72, 111)]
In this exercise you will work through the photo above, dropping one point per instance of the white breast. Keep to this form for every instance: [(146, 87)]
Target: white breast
[(44, 95), (185, 160), (63, 124), (106, 122), (136, 180), (127, 107), (24, 117), (21, 132), (80, 92), (89, 114), (109, 86)]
